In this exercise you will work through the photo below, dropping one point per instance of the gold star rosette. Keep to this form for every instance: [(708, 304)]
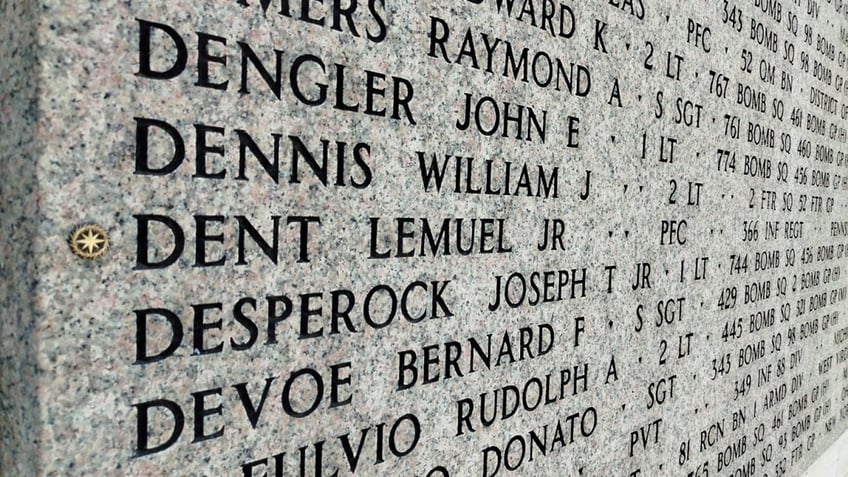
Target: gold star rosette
[(89, 241)]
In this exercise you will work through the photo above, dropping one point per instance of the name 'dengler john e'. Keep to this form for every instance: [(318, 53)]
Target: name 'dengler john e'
[(212, 72)]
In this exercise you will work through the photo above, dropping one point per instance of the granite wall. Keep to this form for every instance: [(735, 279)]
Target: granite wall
[(466, 237)]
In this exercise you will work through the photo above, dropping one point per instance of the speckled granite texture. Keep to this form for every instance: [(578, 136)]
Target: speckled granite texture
[(20, 149), (84, 393)]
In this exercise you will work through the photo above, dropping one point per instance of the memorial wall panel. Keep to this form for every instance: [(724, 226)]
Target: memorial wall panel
[(423, 238)]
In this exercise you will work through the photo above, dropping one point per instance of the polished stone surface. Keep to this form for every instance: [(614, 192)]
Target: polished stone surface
[(611, 379)]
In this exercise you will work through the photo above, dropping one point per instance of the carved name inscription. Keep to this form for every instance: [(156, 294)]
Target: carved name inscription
[(489, 237)]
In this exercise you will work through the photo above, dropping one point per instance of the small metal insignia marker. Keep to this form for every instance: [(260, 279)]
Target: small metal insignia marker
[(89, 241)]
